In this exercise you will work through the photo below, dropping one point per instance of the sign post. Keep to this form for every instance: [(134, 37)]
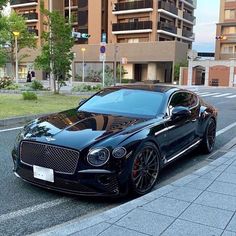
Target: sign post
[(103, 59)]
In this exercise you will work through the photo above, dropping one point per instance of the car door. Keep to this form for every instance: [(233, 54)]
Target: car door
[(182, 132)]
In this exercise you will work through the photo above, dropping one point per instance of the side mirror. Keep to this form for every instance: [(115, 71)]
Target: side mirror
[(180, 112), (82, 101)]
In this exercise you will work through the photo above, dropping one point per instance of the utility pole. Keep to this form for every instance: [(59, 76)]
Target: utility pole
[(50, 45), (115, 62), (69, 11)]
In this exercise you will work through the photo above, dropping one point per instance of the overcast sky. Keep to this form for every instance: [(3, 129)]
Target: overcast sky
[(207, 14)]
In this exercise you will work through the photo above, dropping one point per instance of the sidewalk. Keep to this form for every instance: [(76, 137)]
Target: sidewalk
[(203, 203)]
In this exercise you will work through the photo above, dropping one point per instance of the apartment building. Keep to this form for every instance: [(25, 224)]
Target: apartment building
[(152, 35), (226, 31)]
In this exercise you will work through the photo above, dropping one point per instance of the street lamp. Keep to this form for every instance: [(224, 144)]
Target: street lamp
[(16, 34), (83, 51)]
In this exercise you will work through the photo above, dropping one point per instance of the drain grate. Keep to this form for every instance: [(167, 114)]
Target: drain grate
[(217, 155)]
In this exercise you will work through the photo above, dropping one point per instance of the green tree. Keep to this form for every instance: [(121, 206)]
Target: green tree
[(177, 69), (56, 56), (3, 3), (8, 25)]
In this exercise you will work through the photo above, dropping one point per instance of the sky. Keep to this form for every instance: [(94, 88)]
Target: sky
[(207, 15)]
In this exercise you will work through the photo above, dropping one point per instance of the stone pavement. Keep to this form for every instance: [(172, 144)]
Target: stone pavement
[(202, 203)]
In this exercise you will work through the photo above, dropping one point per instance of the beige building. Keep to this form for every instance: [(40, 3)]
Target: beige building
[(152, 35), (226, 31)]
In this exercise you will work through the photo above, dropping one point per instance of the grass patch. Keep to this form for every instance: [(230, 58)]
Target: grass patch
[(12, 105)]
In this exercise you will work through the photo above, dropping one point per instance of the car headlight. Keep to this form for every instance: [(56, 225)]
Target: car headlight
[(98, 156), (119, 152)]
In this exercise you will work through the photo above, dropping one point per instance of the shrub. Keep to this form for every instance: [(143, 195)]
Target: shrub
[(36, 85), (29, 96), (87, 88), (5, 81), (12, 87)]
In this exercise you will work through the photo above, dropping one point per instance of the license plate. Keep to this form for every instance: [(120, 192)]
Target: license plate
[(43, 174)]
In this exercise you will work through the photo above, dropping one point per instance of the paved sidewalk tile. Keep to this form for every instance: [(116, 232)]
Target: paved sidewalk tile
[(220, 161), (185, 228), (227, 177), (217, 200), (120, 231), (224, 188), (229, 233), (212, 175), (207, 216), (146, 222), (231, 169), (200, 183), (185, 180), (93, 231), (232, 224), (185, 194), (167, 206), (204, 170)]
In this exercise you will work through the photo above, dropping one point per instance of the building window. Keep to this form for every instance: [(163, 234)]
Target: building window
[(229, 30), (229, 14), (228, 49), (133, 40)]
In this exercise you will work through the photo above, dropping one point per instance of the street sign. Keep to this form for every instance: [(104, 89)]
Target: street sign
[(102, 49), (78, 35), (124, 60), (102, 57)]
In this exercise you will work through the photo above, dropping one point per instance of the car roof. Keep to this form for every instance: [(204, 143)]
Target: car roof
[(149, 87)]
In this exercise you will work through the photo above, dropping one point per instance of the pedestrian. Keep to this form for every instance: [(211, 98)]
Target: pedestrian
[(28, 77)]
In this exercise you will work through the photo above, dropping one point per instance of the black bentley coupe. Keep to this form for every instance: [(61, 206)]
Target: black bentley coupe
[(114, 142)]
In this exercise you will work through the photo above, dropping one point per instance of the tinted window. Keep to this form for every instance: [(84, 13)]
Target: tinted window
[(125, 102), (184, 99)]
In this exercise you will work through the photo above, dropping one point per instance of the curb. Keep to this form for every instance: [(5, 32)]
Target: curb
[(20, 119)]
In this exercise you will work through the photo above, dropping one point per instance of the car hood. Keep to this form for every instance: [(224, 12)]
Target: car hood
[(80, 129)]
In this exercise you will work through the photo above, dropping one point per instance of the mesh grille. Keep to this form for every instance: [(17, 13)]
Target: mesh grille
[(59, 159)]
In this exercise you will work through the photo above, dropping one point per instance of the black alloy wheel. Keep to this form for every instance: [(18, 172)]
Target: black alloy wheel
[(145, 169), (210, 137)]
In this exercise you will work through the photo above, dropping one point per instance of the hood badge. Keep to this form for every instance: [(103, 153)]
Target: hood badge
[(50, 139)]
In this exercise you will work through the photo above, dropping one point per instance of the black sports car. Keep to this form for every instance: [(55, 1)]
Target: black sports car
[(117, 140)]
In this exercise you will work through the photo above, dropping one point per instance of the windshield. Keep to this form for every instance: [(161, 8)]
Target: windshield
[(133, 102)]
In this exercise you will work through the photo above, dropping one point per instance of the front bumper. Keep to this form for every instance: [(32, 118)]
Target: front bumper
[(84, 183)]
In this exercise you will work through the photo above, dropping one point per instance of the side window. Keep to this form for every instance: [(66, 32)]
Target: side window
[(184, 99), (179, 99)]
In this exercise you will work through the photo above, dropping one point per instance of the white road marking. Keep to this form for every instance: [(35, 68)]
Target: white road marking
[(210, 94), (32, 209), (7, 130), (201, 94), (232, 96), (225, 129), (222, 95)]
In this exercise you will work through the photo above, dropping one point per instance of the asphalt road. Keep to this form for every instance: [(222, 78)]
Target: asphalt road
[(25, 209)]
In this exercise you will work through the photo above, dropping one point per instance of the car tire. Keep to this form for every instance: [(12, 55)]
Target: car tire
[(145, 169), (208, 141)]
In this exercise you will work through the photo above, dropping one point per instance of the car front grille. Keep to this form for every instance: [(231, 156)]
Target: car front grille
[(61, 160)]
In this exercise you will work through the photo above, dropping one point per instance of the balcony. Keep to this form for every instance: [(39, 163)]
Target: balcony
[(189, 17), (191, 3), (34, 31), (169, 27), (139, 27), (126, 6), (188, 34), (32, 16), (23, 3), (170, 7)]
